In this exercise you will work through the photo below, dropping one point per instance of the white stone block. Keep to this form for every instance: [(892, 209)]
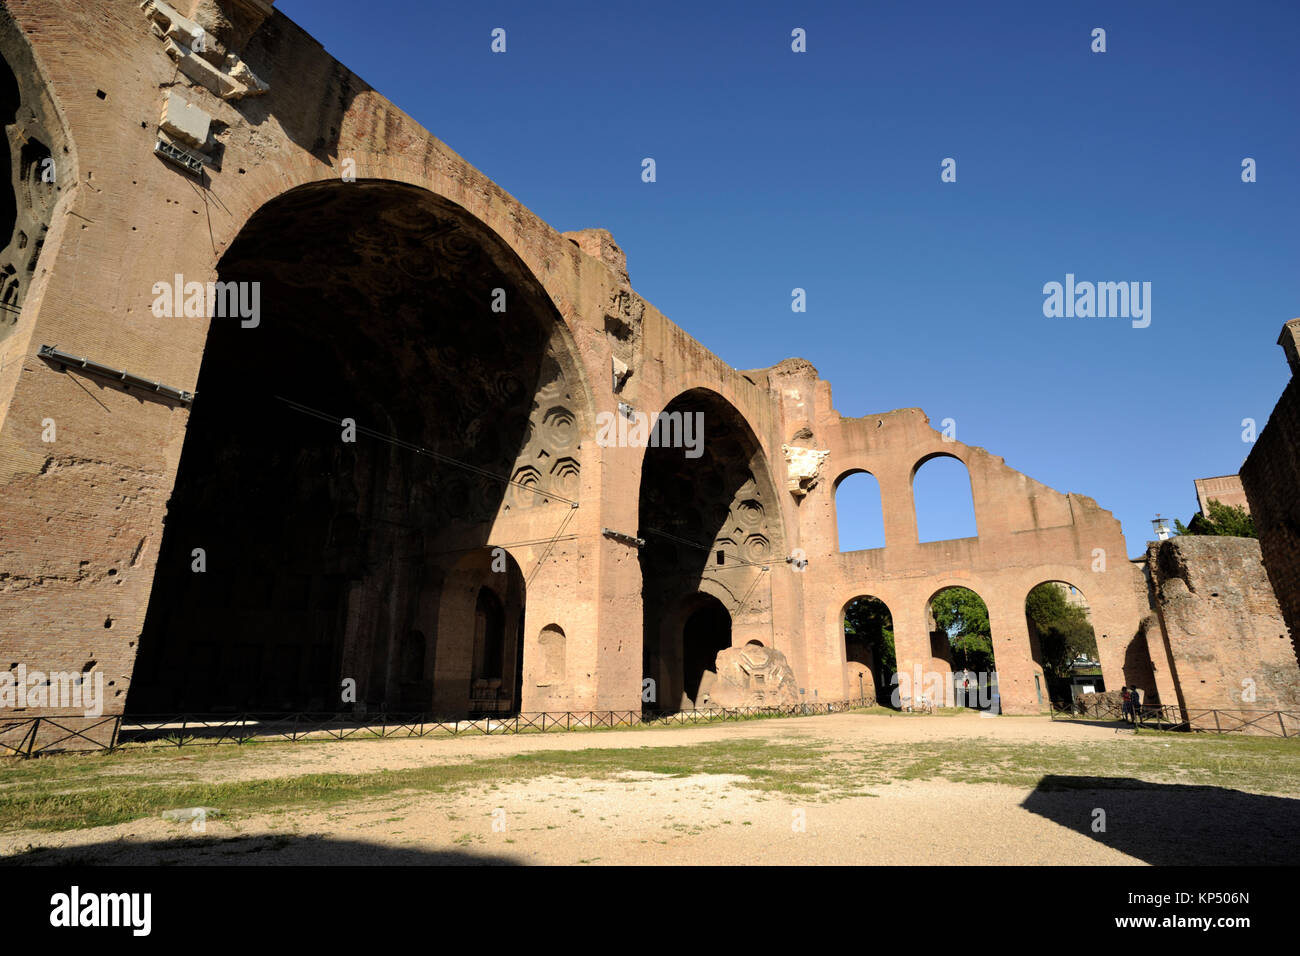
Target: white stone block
[(185, 121)]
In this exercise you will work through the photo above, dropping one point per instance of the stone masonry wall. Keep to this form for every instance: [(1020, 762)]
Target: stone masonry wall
[(1271, 477), (1222, 627)]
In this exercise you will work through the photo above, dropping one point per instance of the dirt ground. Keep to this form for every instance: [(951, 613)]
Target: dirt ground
[(650, 818)]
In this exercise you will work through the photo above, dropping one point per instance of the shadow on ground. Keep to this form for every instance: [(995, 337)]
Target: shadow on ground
[(1171, 824), (1116, 725), (307, 850)]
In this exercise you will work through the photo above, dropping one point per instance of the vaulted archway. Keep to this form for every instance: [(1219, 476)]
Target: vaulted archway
[(869, 651), (711, 522), (377, 423), (961, 636), (1062, 643)]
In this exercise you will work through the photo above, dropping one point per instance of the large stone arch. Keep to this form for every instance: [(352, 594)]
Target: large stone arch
[(865, 677), (711, 524), (412, 389), (1121, 642), (939, 650), (1072, 593), (425, 163)]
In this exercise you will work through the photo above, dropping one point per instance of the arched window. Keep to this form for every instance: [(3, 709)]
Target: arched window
[(941, 494), (859, 512)]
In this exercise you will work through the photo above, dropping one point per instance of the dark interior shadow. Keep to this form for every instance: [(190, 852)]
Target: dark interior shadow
[(272, 850), (374, 314), (1174, 824)]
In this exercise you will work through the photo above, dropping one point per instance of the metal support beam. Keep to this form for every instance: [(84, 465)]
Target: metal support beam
[(52, 354), (625, 538)]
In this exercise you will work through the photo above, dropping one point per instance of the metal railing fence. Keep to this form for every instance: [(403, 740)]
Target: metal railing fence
[(35, 736), (1273, 723)]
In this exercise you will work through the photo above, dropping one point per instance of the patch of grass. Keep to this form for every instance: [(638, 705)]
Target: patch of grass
[(35, 799), (90, 769)]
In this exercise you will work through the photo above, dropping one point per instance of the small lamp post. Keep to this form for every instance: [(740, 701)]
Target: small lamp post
[(1161, 527)]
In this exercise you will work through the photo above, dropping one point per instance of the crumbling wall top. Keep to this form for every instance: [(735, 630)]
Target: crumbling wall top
[(1290, 342), (600, 244)]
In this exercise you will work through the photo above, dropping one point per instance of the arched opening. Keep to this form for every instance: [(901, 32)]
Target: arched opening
[(553, 664), (868, 628), (960, 635), (348, 461), (711, 522), (859, 512), (481, 605), (10, 99), (942, 496), (1063, 643), (32, 180), (706, 631), (497, 647)]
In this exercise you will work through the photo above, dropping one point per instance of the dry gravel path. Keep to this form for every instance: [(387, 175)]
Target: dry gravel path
[(649, 818)]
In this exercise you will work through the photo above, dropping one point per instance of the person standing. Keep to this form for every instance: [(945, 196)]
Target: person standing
[(1126, 703)]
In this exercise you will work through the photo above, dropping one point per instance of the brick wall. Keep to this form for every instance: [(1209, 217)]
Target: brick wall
[(1223, 630), (1271, 477)]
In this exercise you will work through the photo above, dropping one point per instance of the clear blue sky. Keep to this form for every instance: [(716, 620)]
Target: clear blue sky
[(821, 170)]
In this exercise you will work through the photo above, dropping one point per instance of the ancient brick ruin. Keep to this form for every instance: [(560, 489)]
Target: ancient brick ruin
[(476, 549), (1271, 477), (1217, 638)]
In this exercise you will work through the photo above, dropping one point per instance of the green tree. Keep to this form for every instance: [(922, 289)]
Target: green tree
[(867, 621), (1226, 520), (1062, 627), (962, 614)]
